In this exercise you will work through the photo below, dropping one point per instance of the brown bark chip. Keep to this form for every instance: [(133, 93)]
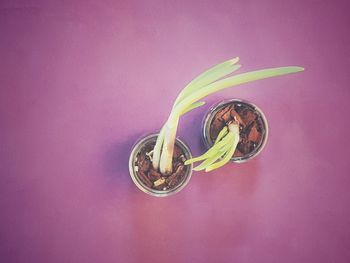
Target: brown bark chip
[(153, 178), (250, 126)]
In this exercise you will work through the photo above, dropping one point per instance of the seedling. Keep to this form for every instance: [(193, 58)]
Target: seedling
[(222, 150), (213, 80)]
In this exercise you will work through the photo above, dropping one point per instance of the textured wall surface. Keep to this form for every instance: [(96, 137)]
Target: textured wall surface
[(80, 81)]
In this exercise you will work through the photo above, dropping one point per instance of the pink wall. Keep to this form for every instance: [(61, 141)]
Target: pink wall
[(80, 82)]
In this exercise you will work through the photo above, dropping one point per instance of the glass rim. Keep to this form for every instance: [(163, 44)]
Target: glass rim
[(208, 117), (158, 193)]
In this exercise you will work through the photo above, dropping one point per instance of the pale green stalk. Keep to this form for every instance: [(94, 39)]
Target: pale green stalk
[(207, 83), (166, 157), (157, 148), (234, 129), (215, 148), (219, 71), (222, 162), (220, 150), (160, 139), (202, 80), (209, 161), (221, 134), (233, 81), (217, 155)]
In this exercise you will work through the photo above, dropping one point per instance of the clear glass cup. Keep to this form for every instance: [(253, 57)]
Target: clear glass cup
[(151, 138), (208, 118)]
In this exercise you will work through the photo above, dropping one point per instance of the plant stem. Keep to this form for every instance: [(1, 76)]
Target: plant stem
[(157, 148), (234, 130), (233, 81), (166, 159), (205, 84)]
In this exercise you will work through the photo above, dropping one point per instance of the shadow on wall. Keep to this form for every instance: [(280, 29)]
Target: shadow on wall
[(117, 162)]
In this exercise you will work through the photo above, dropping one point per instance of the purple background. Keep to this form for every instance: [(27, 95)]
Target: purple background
[(80, 82)]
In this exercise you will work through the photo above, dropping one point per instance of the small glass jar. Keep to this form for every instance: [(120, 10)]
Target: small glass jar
[(208, 119), (133, 170)]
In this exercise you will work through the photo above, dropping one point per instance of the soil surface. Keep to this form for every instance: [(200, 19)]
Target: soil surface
[(154, 179), (250, 122)]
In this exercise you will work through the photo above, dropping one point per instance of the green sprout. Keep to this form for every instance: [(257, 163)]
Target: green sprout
[(221, 152), (213, 80)]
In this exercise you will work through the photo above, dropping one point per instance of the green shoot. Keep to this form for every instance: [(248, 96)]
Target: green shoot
[(221, 134), (209, 82), (215, 148), (202, 80), (209, 76), (222, 150)]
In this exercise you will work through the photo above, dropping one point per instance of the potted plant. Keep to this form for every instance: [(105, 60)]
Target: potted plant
[(165, 155), (150, 180)]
